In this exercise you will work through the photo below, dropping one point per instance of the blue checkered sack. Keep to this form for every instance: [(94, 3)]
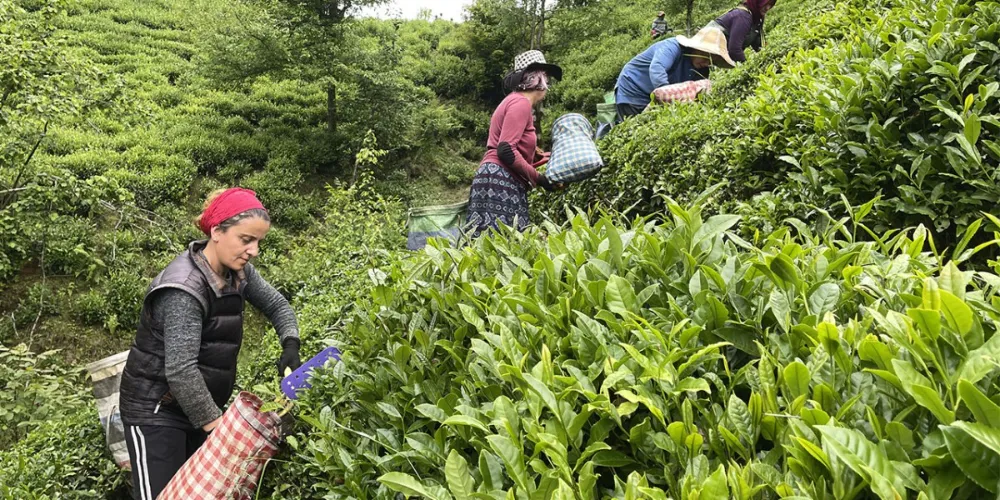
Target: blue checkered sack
[(574, 154)]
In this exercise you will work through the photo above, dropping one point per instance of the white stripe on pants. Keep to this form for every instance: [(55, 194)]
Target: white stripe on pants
[(141, 465)]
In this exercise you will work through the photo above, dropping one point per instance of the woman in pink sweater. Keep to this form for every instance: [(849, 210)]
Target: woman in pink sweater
[(500, 188)]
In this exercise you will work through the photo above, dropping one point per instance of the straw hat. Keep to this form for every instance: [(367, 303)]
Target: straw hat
[(710, 40)]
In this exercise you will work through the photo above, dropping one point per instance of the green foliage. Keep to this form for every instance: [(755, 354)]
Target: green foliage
[(35, 389), (861, 100), (660, 360), (51, 440), (904, 110), (800, 353)]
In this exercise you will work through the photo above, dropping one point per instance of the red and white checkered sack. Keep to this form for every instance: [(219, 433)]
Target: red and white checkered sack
[(230, 463), (682, 92)]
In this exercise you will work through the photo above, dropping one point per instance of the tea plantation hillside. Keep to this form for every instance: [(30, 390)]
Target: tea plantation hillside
[(895, 100), (786, 289), (839, 354)]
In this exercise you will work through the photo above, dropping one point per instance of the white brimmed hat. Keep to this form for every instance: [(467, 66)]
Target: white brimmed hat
[(710, 40), (533, 59)]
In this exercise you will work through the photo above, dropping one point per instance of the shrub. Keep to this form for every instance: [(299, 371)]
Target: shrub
[(123, 290), (904, 109), (68, 247), (860, 101), (86, 163), (660, 360), (63, 457), (38, 303), (457, 172), (35, 388), (278, 190), (90, 308)]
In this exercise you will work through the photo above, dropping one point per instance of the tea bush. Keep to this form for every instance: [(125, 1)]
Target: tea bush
[(905, 109), (656, 360), (51, 443), (861, 99), (682, 149), (35, 388)]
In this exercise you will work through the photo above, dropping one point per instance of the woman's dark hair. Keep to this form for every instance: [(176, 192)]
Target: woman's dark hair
[(512, 80), (255, 213)]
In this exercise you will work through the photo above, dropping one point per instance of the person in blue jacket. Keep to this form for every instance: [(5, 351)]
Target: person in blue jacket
[(674, 60)]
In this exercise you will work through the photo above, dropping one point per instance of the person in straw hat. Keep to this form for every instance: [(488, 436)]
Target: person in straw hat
[(744, 27), (674, 60), (507, 172)]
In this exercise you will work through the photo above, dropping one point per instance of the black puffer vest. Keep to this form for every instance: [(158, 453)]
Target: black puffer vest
[(145, 397)]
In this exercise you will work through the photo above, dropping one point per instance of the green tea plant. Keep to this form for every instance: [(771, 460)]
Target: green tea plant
[(682, 149), (905, 108), (656, 360), (860, 99), (36, 387)]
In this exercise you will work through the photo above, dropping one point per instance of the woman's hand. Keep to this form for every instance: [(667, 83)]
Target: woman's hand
[(541, 158), (209, 427), (548, 185), (289, 359)]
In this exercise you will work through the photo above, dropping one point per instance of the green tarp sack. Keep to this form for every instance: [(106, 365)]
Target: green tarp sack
[(441, 221), (606, 115)]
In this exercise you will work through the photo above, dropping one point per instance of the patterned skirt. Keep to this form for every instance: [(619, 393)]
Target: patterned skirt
[(497, 196)]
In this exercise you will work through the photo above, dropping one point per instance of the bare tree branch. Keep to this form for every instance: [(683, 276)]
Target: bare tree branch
[(41, 298)]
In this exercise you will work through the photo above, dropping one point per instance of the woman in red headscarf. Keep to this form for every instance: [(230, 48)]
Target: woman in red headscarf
[(744, 27), (181, 368)]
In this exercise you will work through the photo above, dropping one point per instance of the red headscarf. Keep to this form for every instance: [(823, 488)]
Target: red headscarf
[(756, 7), (232, 201)]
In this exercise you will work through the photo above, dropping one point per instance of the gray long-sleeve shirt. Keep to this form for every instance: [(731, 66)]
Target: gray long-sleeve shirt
[(181, 316)]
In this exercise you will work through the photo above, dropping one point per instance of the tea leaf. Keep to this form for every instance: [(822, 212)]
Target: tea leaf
[(928, 322), (865, 459), (620, 296), (978, 462), (824, 299), (513, 458), (587, 485), (407, 485), (986, 435), (796, 376), (919, 387), (986, 411), (953, 280), (713, 227), (465, 420), (716, 486), (460, 480), (980, 362), (956, 313)]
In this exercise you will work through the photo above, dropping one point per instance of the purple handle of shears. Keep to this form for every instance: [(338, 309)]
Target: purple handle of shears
[(299, 379)]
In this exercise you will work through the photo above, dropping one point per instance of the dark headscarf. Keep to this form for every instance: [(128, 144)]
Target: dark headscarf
[(756, 7), (522, 81)]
